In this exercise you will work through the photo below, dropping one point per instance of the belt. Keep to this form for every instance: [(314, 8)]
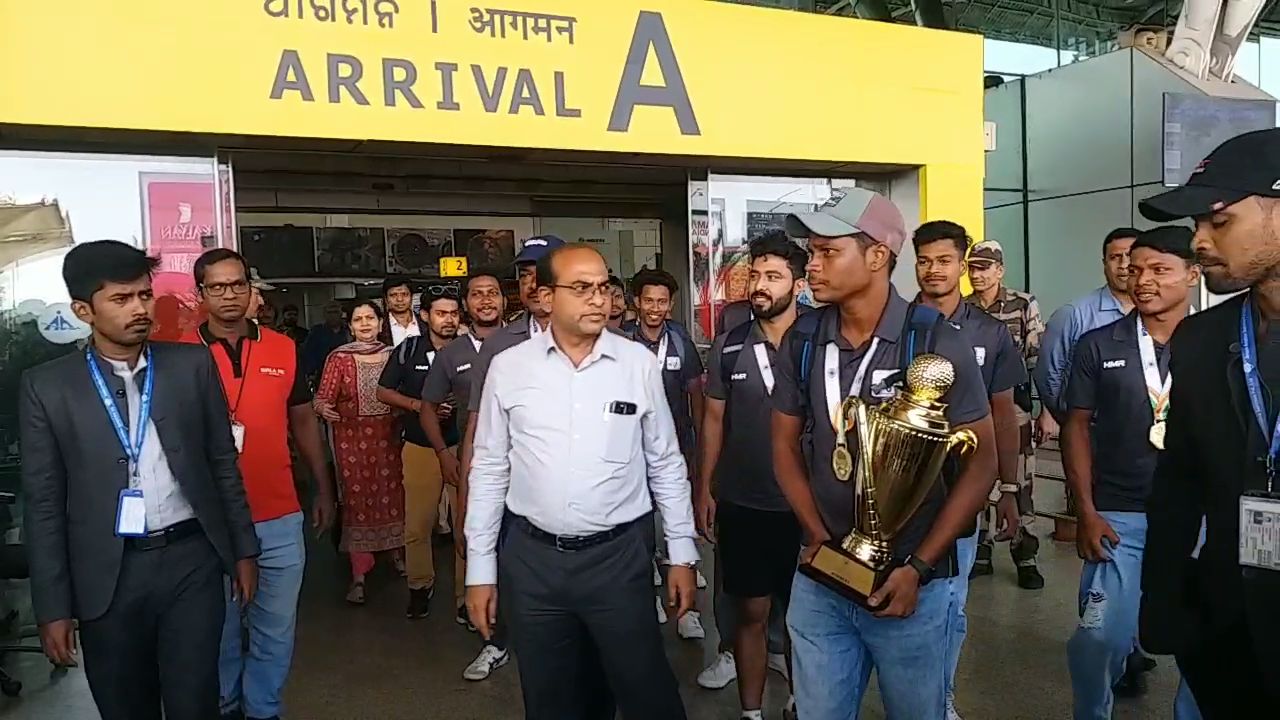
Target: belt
[(160, 538), (574, 543)]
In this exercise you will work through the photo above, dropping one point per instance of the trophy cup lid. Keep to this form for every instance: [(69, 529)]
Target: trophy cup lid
[(929, 377)]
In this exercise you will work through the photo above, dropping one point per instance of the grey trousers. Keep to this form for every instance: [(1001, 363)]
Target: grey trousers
[(583, 628)]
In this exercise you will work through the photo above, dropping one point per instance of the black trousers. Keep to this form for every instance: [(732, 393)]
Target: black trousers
[(157, 645), (583, 628), (1226, 678)]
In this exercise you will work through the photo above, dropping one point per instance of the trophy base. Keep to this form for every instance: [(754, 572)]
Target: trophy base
[(844, 574)]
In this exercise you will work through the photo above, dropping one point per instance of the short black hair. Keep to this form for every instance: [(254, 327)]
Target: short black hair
[(90, 266), (427, 302), (615, 281), (777, 243), (466, 287), (544, 274), (938, 230), (289, 308), (1168, 239), (656, 277), (1118, 234), (357, 304), (213, 257), (395, 281)]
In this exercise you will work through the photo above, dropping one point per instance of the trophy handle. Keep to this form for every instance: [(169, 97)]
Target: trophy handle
[(862, 468), (965, 440)]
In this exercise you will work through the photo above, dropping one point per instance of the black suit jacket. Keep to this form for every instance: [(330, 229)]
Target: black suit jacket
[(1215, 454), (73, 470)]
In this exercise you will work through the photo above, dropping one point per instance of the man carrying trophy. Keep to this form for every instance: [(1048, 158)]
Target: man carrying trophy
[(883, 393)]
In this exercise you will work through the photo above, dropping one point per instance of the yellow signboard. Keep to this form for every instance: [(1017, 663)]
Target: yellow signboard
[(453, 266), (660, 76)]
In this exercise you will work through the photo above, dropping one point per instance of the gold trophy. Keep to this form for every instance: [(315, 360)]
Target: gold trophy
[(901, 447)]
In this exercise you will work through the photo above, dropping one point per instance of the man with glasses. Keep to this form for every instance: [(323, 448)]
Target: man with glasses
[(574, 446), (268, 399)]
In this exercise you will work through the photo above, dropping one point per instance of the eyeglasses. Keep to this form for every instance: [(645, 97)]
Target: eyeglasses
[(442, 290), (587, 290), (239, 287)]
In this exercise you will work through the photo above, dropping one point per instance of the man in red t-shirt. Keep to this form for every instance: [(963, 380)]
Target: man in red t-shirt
[(268, 399)]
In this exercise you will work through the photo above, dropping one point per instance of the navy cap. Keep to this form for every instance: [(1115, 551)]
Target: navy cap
[(1244, 166), (536, 247)]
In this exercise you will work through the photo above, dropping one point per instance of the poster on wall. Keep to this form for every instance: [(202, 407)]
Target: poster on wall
[(490, 251), (283, 251), (351, 252), (417, 251), (179, 217)]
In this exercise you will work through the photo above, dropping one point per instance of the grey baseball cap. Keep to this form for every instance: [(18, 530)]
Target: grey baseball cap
[(853, 211)]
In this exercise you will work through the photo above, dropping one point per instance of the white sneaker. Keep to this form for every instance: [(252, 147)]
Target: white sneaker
[(490, 658), (657, 575), (722, 671), (778, 664), (662, 612), (689, 627), (702, 580), (951, 708)]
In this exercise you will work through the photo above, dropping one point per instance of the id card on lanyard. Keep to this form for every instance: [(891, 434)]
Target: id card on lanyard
[(131, 512), (1259, 511)]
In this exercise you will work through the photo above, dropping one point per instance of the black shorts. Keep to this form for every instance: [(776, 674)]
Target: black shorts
[(758, 550)]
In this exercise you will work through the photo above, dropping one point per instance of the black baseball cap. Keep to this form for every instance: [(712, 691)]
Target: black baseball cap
[(1241, 167)]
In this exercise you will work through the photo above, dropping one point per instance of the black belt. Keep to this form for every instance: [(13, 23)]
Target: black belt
[(160, 538), (574, 543)]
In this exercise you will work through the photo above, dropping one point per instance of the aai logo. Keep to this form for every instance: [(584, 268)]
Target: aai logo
[(60, 326)]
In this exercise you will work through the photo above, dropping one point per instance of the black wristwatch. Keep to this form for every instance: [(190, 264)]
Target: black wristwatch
[(924, 569)]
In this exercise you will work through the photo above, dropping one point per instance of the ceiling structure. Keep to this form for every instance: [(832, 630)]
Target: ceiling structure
[(1087, 27)]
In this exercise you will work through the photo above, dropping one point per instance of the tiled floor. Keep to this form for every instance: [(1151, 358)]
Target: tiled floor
[(370, 663)]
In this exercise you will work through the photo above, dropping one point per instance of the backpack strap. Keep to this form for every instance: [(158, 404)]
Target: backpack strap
[(919, 336), (734, 340), (802, 333)]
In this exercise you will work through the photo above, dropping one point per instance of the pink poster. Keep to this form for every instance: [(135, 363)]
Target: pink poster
[(179, 221)]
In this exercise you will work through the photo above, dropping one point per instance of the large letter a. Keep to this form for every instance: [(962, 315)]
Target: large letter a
[(651, 31)]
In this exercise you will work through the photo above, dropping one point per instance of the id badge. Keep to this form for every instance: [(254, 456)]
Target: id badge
[(1260, 531), (131, 514), (673, 362), (237, 436)]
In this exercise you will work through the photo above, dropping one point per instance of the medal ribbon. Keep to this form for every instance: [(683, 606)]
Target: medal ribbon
[(831, 378), (132, 450), (1157, 391), (1253, 381)]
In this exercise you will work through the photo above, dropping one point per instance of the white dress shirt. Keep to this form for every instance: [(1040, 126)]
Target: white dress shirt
[(165, 503), (400, 332), (548, 446)]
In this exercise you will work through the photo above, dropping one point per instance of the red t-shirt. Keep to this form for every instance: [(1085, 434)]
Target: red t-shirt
[(261, 382)]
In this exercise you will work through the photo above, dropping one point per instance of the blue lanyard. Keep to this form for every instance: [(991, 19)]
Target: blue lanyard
[(1253, 381), (132, 450)]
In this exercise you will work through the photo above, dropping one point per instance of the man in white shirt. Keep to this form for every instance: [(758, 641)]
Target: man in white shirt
[(574, 445), (402, 321)]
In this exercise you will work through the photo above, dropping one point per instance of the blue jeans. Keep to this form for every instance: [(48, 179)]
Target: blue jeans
[(1110, 593), (253, 682), (835, 645), (966, 556), (1184, 703)]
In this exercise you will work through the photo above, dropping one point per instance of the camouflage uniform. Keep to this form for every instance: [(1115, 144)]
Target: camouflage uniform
[(1020, 312)]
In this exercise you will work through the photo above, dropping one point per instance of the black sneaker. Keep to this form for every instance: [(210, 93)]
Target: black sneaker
[(1029, 578), (1133, 683), (419, 603), (1142, 661), (463, 619), (980, 569)]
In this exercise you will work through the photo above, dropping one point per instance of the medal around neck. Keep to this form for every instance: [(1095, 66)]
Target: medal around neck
[(901, 447), (841, 458), (1156, 434)]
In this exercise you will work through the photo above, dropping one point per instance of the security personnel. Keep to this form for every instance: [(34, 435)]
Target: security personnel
[(1218, 614), (1118, 400), (1020, 313), (400, 386), (742, 510), (574, 447), (940, 248), (448, 385), (857, 343)]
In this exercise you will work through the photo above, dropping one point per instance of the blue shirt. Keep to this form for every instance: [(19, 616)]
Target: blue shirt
[(1066, 326)]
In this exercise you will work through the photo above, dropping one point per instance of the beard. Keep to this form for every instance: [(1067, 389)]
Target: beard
[(776, 308)]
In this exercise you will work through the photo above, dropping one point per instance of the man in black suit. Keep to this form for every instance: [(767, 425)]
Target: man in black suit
[(1217, 606), (134, 506)]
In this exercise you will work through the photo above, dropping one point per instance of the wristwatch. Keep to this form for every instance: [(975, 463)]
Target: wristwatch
[(924, 569), (1009, 487)]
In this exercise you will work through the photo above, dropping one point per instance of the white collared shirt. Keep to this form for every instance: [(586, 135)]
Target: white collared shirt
[(400, 332), (166, 505), (576, 451)]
